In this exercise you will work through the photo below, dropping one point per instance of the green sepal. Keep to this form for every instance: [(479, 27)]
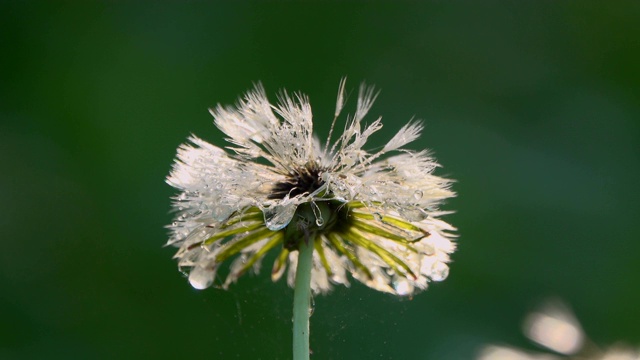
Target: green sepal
[(251, 214), (223, 234), (384, 233), (237, 246), (392, 221), (392, 260), (280, 262), (360, 204), (275, 240), (336, 241), (317, 244)]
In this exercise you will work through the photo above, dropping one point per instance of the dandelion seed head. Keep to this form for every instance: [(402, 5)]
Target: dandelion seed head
[(373, 215)]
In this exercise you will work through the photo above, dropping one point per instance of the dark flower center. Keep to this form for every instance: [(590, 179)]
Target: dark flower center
[(304, 180), (310, 219)]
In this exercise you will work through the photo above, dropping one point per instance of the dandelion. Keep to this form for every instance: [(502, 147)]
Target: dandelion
[(555, 327), (329, 209)]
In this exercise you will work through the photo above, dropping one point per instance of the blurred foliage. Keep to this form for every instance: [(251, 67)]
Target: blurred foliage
[(533, 107)]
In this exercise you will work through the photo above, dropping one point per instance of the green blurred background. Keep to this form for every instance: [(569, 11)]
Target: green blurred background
[(533, 107)]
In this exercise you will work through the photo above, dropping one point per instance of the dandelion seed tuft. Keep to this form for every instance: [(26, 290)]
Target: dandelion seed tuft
[(373, 215)]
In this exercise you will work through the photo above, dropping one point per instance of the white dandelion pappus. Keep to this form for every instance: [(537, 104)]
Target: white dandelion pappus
[(371, 214)]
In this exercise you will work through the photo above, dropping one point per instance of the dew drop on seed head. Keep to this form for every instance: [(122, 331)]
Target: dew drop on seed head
[(221, 212), (418, 194), (278, 216), (402, 286), (439, 271), (413, 214), (377, 216), (200, 278), (428, 249)]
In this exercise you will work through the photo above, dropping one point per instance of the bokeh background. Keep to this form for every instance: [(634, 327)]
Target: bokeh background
[(533, 107)]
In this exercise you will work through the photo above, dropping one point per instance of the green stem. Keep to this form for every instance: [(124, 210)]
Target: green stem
[(301, 301)]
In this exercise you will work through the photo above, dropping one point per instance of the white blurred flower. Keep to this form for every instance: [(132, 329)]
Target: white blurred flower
[(369, 214), (555, 327)]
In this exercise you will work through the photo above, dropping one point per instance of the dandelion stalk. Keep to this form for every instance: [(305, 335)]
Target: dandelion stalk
[(301, 301)]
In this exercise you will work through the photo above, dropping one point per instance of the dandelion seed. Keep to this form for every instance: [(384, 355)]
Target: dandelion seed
[(369, 214)]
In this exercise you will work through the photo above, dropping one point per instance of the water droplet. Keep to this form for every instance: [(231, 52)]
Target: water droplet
[(428, 249), (439, 271), (418, 194), (312, 305), (349, 160), (201, 278), (402, 286), (413, 214), (221, 212), (278, 216), (377, 216)]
